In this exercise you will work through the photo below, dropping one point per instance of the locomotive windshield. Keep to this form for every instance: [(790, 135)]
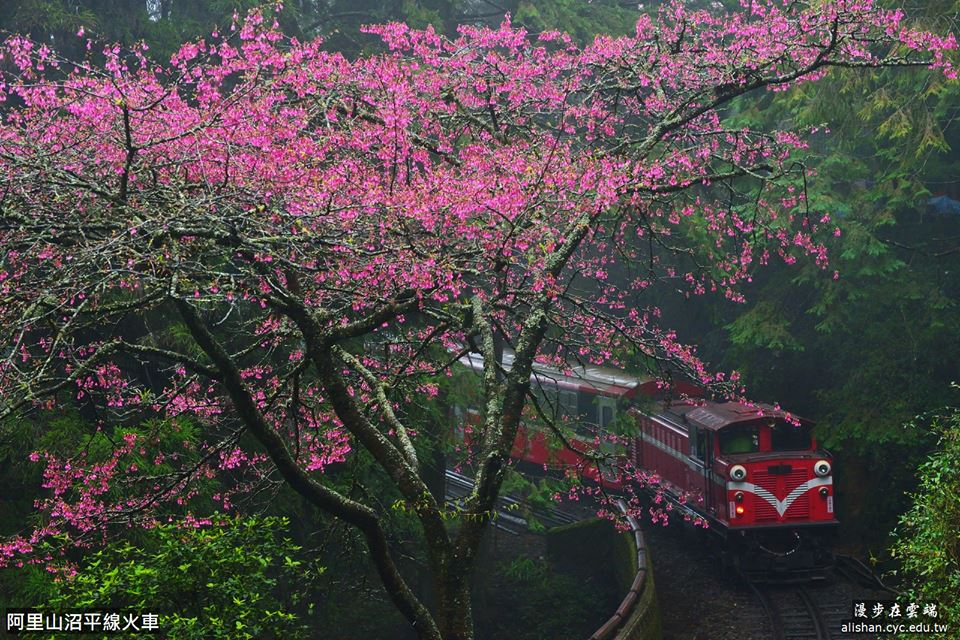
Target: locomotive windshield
[(790, 437), (741, 438)]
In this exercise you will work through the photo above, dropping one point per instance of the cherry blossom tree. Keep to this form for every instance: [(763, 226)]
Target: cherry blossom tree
[(329, 235)]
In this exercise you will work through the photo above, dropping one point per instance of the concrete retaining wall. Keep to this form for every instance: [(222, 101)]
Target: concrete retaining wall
[(638, 616)]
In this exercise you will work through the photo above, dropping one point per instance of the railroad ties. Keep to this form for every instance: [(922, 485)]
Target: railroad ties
[(818, 612), (510, 514), (792, 613)]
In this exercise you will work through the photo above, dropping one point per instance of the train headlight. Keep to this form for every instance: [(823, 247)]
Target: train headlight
[(822, 468), (738, 473), (824, 492)]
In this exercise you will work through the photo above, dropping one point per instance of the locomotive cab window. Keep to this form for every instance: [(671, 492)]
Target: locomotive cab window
[(789, 437), (740, 439)]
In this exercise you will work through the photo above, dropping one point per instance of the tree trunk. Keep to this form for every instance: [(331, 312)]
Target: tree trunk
[(454, 607)]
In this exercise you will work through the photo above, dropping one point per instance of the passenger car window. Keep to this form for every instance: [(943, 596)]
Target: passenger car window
[(606, 416)]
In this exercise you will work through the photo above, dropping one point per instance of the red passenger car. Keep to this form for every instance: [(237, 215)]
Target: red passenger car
[(587, 398)]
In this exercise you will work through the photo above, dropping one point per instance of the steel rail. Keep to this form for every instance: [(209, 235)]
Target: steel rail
[(792, 613), (819, 626), (857, 571), (773, 613)]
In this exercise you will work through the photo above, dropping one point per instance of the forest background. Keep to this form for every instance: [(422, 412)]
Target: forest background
[(869, 355)]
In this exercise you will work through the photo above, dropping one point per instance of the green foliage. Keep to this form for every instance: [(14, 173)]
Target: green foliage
[(532, 571), (165, 24), (235, 579), (46, 15), (535, 494), (580, 19), (552, 605), (764, 326), (927, 541), (865, 352)]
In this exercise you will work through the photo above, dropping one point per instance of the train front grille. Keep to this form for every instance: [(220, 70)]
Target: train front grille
[(781, 486)]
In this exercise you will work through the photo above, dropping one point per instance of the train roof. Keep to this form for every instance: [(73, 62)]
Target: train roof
[(704, 414), (714, 416), (605, 380)]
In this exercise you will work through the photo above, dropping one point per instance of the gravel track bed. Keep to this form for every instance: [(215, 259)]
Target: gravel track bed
[(700, 601)]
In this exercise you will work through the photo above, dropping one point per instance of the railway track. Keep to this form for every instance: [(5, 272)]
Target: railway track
[(513, 514), (858, 572), (801, 612), (701, 598), (785, 612), (793, 614)]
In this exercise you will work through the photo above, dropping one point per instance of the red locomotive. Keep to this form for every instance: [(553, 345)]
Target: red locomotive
[(756, 476), (750, 470)]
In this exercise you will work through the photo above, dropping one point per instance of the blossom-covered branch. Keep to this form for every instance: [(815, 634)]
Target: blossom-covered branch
[(269, 236)]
